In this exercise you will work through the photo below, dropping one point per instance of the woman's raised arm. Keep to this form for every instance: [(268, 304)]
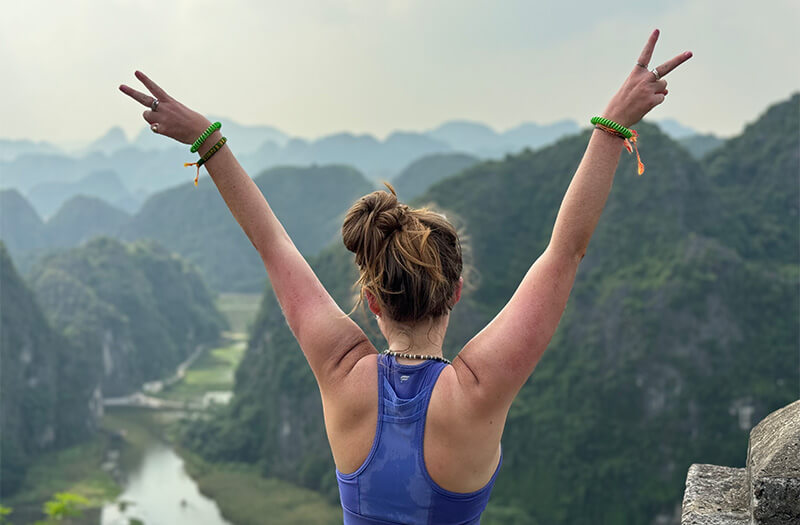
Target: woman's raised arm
[(331, 341), (499, 360)]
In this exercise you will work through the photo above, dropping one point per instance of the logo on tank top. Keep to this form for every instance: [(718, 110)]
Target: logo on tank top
[(403, 379)]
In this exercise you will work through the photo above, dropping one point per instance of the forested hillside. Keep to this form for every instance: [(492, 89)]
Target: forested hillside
[(136, 309), (20, 225), (681, 331), (757, 176), (195, 222), (81, 218), (427, 171), (44, 402)]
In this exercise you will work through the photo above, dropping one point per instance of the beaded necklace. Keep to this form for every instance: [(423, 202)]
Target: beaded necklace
[(416, 356)]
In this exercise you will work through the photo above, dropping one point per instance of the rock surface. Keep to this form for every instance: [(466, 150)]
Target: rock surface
[(766, 492), (773, 461), (715, 496)]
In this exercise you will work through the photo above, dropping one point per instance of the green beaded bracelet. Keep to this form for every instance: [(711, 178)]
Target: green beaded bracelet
[(202, 138), (619, 128)]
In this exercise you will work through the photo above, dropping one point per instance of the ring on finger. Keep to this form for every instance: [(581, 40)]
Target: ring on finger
[(154, 105), (641, 65), (655, 72), (154, 128)]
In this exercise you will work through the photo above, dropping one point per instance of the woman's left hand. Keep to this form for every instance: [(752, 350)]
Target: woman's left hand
[(643, 89), (167, 116)]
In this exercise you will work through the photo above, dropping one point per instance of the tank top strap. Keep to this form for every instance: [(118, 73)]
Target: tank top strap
[(405, 389)]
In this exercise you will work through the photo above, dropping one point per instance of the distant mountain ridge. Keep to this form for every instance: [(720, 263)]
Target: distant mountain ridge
[(700, 145), (114, 139), (27, 237), (675, 129), (193, 221), (11, 149), (483, 141), (150, 163), (47, 197)]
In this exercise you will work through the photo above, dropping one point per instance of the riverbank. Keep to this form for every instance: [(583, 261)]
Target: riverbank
[(243, 496), (77, 470), (101, 468), (246, 498)]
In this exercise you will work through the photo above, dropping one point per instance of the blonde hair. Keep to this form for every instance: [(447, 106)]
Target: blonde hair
[(409, 259)]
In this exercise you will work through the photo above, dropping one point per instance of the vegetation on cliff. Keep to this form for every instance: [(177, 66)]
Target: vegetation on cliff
[(136, 308), (44, 403), (195, 223), (680, 333)]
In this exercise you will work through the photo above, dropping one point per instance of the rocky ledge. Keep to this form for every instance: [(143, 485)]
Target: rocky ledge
[(765, 492)]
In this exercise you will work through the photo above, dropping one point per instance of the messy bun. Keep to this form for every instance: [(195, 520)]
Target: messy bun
[(409, 259)]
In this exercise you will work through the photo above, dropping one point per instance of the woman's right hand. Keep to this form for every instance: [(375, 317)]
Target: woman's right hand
[(642, 90), (170, 117)]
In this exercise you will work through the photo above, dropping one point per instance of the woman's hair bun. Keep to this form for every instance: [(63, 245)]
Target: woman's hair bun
[(371, 221), (409, 259)]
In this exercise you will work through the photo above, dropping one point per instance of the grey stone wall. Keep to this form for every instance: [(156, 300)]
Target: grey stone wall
[(765, 492)]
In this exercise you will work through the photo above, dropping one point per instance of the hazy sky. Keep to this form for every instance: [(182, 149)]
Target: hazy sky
[(312, 67)]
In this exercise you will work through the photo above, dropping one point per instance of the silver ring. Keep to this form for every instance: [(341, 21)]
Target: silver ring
[(641, 65), (655, 72), (154, 105), (154, 128)]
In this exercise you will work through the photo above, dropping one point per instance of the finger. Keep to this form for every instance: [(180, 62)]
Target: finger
[(658, 98), (145, 100), (647, 52), (665, 92), (669, 65), (660, 86), (149, 116), (152, 86)]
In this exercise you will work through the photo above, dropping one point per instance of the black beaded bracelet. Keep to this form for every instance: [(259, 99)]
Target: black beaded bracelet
[(210, 153)]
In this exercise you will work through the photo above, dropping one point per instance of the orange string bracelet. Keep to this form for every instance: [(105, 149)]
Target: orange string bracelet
[(629, 136)]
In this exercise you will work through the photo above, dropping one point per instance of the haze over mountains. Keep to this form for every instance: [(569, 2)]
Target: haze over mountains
[(125, 171), (193, 222), (53, 205)]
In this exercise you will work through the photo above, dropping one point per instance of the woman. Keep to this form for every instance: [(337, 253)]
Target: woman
[(416, 439)]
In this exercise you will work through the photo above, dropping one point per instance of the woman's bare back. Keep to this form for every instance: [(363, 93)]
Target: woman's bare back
[(461, 449)]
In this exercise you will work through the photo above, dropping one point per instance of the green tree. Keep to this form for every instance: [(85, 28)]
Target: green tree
[(4, 511), (63, 506)]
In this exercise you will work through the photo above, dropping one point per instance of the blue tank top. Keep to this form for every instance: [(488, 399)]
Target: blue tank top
[(393, 486)]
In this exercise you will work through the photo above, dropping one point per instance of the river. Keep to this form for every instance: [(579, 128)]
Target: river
[(160, 492), (157, 490)]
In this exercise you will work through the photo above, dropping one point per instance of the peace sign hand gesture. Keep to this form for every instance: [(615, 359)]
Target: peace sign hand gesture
[(643, 90), (166, 115)]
